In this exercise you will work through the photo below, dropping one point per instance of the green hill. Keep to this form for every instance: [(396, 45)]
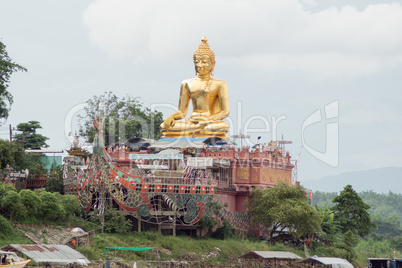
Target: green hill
[(380, 180)]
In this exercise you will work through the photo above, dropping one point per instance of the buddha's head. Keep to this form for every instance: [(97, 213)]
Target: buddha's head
[(204, 59)]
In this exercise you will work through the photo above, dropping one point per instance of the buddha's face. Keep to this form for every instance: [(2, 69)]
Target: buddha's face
[(203, 64)]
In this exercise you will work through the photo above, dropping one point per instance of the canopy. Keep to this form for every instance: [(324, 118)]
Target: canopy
[(132, 249), (77, 230)]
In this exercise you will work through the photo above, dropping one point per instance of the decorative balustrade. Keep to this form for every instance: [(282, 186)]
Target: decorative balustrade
[(180, 180)]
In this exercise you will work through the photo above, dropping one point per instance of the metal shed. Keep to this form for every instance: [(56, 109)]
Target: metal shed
[(384, 263), (272, 259), (50, 254), (325, 262)]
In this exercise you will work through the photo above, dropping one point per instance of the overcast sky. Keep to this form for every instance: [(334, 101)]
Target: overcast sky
[(283, 61)]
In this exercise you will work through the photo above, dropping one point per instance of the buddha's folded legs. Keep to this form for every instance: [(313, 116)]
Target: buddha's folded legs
[(189, 129)]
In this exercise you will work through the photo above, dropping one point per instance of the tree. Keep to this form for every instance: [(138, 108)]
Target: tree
[(322, 199), (224, 231), (70, 204), (115, 222), (123, 119), (348, 243), (7, 67), (329, 227), (12, 204), (51, 208), (4, 188), (12, 154), (212, 217), (55, 180), (29, 138), (387, 226), (352, 213), (282, 207), (34, 165), (31, 202)]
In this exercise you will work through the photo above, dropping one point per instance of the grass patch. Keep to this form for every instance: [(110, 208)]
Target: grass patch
[(9, 235), (180, 248), (211, 252)]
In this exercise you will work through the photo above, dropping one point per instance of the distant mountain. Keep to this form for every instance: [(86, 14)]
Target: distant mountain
[(380, 180)]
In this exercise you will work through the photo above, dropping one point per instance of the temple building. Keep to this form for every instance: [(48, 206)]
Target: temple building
[(169, 185)]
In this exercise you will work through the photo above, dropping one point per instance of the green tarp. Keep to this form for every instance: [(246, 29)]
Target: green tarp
[(132, 249), (51, 162)]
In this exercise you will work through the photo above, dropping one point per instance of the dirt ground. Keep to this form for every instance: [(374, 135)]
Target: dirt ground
[(55, 235)]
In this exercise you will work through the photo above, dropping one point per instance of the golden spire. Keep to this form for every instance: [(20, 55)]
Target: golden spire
[(204, 49)]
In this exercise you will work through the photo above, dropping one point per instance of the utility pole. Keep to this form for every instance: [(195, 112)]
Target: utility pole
[(11, 133)]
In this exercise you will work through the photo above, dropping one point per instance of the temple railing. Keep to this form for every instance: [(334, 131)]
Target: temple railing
[(180, 181), (171, 181), (183, 181)]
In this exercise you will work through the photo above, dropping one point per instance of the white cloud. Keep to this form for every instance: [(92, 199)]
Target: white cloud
[(325, 64), (309, 2), (271, 35)]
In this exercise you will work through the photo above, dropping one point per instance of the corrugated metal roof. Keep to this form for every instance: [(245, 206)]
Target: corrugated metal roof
[(334, 262), (51, 254), (270, 255)]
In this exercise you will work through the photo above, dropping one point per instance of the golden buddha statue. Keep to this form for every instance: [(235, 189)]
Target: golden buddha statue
[(209, 97)]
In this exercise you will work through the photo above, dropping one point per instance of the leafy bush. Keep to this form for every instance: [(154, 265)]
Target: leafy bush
[(114, 222), (31, 202), (278, 247), (225, 231), (70, 204), (12, 206), (50, 208)]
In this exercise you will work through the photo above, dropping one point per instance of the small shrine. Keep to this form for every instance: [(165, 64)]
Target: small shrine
[(74, 164), (75, 149)]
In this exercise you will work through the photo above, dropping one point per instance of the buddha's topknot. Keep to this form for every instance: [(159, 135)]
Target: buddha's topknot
[(203, 49)]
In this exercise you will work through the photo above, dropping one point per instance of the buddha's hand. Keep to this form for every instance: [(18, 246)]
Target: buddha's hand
[(198, 119), (204, 123), (169, 122)]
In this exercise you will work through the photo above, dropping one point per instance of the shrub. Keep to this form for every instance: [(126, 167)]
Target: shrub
[(225, 231)]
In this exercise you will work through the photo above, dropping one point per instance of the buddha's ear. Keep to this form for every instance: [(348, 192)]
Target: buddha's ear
[(212, 70)]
